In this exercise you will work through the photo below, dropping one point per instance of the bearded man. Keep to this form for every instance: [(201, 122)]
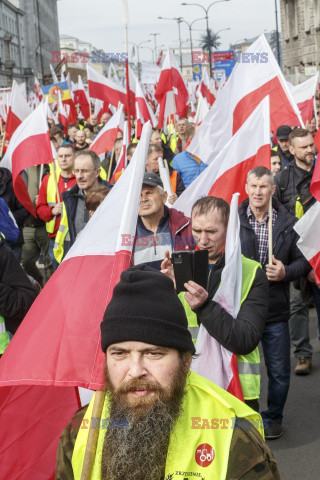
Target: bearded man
[(159, 420)]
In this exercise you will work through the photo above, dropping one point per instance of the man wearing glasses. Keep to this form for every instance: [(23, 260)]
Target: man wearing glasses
[(74, 214)]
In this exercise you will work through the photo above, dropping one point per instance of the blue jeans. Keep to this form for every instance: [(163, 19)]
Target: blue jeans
[(276, 349)]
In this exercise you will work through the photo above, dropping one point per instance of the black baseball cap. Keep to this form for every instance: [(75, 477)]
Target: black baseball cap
[(152, 179), (283, 132)]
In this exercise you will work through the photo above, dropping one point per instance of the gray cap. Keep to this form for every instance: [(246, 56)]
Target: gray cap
[(152, 179)]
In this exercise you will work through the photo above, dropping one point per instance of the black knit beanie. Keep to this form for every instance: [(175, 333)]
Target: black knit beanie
[(145, 308)]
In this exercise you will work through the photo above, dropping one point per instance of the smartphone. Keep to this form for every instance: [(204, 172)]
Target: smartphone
[(191, 265)]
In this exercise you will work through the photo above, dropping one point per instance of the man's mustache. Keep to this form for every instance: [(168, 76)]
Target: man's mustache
[(139, 384)]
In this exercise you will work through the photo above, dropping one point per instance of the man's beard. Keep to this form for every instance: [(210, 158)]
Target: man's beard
[(307, 161), (136, 442)]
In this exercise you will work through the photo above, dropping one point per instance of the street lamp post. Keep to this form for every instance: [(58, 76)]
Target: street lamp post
[(277, 32), (206, 10), (138, 53), (179, 20), (155, 43), (190, 33)]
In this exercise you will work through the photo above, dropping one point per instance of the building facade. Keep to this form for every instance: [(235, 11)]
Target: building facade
[(300, 25), (29, 32), (13, 53), (77, 54)]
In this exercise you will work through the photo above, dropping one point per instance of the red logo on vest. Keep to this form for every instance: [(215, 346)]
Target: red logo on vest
[(204, 455)]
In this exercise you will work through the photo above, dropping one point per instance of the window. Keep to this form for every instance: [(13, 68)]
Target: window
[(316, 9), (287, 21)]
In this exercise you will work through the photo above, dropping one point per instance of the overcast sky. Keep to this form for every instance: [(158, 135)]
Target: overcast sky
[(100, 21)]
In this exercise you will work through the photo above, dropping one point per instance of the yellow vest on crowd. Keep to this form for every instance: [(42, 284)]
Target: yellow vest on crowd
[(62, 233), (248, 365), (202, 434), (4, 336), (51, 200)]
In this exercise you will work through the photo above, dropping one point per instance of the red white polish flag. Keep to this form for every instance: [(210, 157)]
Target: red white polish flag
[(303, 95), (246, 87), (30, 145), (171, 89), (104, 141), (19, 110), (227, 173), (225, 372), (308, 227), (58, 342)]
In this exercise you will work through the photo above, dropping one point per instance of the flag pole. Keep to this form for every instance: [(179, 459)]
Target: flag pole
[(92, 437), (125, 22), (110, 164), (270, 232), (55, 180)]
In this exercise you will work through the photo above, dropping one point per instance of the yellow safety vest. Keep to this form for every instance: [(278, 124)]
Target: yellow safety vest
[(174, 141), (248, 365), (4, 336), (203, 433), (62, 235), (51, 200)]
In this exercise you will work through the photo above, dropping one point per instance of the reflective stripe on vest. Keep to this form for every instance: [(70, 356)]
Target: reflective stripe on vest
[(51, 201), (62, 232), (248, 365), (203, 403), (173, 142), (4, 336)]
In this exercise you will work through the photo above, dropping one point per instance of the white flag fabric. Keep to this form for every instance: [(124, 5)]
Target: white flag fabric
[(214, 361)]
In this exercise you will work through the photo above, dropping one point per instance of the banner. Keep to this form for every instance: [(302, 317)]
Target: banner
[(52, 92)]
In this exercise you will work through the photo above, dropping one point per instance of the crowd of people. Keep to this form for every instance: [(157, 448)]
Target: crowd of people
[(275, 297)]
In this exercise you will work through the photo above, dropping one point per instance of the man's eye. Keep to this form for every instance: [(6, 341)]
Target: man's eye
[(155, 354)]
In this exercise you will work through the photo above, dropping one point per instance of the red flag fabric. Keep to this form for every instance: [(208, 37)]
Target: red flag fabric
[(18, 110), (205, 88), (63, 116), (32, 419), (121, 165), (246, 87), (227, 173), (171, 80), (104, 89), (104, 141), (63, 346), (37, 89), (30, 145), (82, 99)]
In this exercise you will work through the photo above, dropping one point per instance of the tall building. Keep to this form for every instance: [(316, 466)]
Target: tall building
[(300, 26), (42, 34), (29, 33), (13, 59)]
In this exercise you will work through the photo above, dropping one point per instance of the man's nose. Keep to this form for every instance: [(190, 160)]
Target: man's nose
[(203, 238), (137, 368)]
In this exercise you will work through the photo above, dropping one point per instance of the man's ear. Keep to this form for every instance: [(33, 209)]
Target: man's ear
[(246, 188), (291, 149), (164, 197)]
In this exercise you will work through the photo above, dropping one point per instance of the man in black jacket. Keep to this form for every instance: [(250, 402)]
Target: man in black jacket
[(7, 193), (16, 291), (293, 191), (287, 265), (87, 173), (241, 335)]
